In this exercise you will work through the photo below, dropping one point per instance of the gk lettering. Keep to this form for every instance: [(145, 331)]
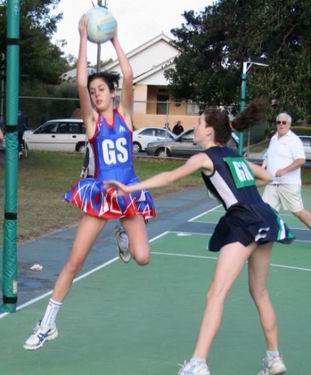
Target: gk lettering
[(115, 151)]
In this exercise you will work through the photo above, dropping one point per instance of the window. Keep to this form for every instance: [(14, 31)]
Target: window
[(47, 128), (63, 128), (306, 141), (161, 133), (147, 132), (75, 128), (192, 108), (188, 137), (162, 104)]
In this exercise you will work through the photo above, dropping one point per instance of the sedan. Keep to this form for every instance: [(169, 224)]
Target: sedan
[(182, 145), (57, 135), (306, 141), (143, 136)]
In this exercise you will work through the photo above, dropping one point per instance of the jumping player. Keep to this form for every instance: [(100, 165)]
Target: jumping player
[(246, 232), (110, 133)]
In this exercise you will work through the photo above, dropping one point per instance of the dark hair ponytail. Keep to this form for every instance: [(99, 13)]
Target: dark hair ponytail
[(253, 113), (111, 79)]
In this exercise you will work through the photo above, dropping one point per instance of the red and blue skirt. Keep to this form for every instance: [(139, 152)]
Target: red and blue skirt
[(93, 198)]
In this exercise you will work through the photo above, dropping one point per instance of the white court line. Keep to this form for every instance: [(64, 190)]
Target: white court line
[(204, 213), (42, 296), (215, 258)]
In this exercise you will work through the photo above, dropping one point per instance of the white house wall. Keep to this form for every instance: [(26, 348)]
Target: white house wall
[(149, 58), (152, 56), (157, 79)]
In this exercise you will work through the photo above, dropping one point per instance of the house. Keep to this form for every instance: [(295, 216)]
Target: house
[(153, 104)]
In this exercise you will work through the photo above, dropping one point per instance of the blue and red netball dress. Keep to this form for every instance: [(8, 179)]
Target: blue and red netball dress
[(248, 218), (113, 154)]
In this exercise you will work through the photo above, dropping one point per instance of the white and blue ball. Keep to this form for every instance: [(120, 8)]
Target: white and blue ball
[(101, 25)]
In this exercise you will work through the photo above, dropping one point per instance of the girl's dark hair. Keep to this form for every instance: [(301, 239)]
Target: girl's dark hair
[(219, 120), (111, 79)]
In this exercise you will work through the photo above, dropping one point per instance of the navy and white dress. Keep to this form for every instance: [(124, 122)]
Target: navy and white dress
[(248, 218)]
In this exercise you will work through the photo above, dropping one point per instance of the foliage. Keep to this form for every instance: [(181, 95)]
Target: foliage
[(40, 59), (215, 42), (302, 130)]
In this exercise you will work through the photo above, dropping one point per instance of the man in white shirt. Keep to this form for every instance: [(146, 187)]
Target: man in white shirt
[(284, 159)]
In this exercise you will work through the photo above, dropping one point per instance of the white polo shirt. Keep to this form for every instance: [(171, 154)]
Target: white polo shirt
[(282, 151)]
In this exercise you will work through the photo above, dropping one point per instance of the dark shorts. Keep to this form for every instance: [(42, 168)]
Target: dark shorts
[(247, 224)]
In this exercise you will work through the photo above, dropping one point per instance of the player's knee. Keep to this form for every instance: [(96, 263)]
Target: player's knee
[(142, 259), (73, 266), (216, 292), (258, 294)]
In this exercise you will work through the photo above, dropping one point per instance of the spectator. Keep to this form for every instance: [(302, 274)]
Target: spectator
[(167, 126), (178, 128), (284, 158), (22, 125)]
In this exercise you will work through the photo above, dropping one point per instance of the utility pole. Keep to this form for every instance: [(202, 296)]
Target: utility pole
[(100, 4)]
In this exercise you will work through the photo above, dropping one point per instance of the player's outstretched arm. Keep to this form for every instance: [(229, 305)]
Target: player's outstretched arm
[(196, 162), (126, 106), (88, 113), (262, 176)]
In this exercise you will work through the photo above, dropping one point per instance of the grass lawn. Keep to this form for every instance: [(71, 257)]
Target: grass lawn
[(44, 178)]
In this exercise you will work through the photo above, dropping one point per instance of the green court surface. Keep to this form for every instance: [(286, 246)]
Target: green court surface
[(129, 320)]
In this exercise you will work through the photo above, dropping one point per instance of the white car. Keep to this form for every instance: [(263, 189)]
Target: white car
[(306, 141), (57, 135), (143, 136)]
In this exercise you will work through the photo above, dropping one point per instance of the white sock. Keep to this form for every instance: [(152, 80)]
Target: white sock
[(51, 313), (271, 355), (198, 360)]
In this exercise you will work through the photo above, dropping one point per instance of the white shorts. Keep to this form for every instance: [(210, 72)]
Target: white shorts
[(287, 196)]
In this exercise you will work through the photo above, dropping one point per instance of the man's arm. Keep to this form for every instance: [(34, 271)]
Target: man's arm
[(298, 163)]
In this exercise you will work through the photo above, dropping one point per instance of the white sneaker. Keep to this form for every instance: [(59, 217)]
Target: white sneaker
[(194, 368), (39, 336), (274, 366), (122, 243)]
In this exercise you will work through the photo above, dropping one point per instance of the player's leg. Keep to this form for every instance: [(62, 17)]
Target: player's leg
[(230, 262), (88, 229), (258, 270), (135, 227), (122, 243)]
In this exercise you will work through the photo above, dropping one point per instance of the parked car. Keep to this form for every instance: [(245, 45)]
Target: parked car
[(57, 135), (306, 141), (143, 136), (182, 145)]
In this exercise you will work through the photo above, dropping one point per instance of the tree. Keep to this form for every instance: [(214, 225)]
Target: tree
[(214, 43), (40, 59)]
